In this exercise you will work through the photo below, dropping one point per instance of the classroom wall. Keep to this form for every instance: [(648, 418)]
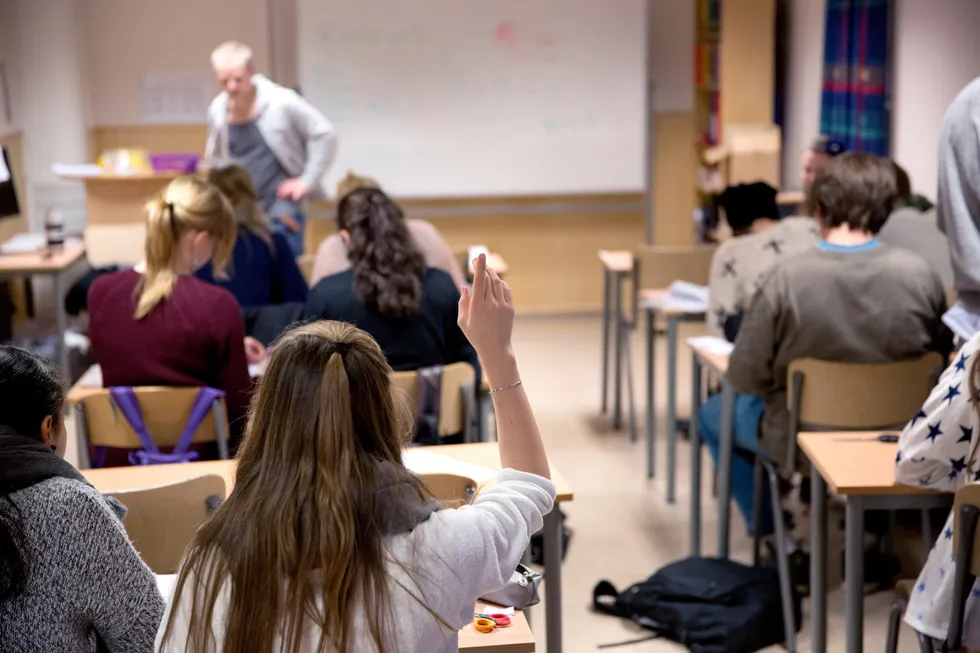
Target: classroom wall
[(936, 54)]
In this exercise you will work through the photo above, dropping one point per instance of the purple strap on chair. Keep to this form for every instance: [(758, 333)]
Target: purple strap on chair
[(125, 398)]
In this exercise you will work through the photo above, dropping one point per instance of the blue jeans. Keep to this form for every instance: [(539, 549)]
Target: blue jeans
[(294, 238), (747, 413)]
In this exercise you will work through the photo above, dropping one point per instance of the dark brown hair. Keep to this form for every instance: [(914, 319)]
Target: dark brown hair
[(856, 189), (388, 267), (322, 423)]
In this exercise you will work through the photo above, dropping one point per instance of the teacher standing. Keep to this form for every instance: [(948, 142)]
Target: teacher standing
[(284, 142)]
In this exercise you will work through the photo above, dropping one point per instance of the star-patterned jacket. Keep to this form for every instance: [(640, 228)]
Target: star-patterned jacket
[(739, 265), (937, 450)]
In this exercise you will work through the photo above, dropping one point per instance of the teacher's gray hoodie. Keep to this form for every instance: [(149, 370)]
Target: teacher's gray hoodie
[(958, 208)]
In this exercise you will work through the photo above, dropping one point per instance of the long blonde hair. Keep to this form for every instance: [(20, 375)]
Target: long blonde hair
[(236, 183), (305, 501), (188, 205)]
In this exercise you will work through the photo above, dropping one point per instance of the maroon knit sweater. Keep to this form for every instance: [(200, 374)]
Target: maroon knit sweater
[(194, 338)]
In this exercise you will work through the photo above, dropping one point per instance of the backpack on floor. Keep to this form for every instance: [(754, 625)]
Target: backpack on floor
[(709, 605)]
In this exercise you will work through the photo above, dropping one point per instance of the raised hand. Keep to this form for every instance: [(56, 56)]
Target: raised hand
[(486, 315)]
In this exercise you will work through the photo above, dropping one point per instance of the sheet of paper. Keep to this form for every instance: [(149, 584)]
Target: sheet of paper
[(422, 460), (24, 244), (176, 97), (691, 291), (4, 171), (712, 345), (92, 377)]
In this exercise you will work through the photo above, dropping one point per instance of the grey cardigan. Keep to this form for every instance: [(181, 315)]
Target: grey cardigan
[(301, 137), (87, 588)]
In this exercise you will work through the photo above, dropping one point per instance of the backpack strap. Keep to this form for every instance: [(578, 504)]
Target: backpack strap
[(125, 398), (604, 590)]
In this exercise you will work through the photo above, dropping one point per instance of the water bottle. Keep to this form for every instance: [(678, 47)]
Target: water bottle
[(54, 229)]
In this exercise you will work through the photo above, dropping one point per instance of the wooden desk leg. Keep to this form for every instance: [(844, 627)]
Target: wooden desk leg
[(552, 583), (651, 409), (695, 460), (672, 409), (605, 339), (617, 420), (726, 445), (854, 574), (818, 561)]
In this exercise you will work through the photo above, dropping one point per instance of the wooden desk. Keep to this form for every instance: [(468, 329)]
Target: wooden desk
[(483, 455), (616, 266), (710, 357), (516, 638), (862, 471), (121, 199), (653, 302), (55, 264)]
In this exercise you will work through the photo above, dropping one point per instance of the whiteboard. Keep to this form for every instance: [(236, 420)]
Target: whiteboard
[(443, 98)]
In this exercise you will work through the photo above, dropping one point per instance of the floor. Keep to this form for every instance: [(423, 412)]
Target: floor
[(623, 528)]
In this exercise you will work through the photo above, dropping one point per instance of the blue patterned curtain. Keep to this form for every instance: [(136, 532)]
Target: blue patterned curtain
[(854, 102)]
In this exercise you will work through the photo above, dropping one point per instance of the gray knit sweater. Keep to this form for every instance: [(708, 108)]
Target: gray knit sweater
[(87, 588)]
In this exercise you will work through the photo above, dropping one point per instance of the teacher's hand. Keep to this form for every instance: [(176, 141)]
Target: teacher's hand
[(292, 189)]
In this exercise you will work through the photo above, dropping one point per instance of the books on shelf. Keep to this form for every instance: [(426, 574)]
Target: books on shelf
[(709, 14)]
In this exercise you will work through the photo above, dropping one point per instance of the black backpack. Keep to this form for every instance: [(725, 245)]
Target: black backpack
[(709, 605)]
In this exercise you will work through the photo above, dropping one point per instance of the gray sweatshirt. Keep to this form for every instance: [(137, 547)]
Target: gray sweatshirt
[(87, 588), (958, 206), (867, 305)]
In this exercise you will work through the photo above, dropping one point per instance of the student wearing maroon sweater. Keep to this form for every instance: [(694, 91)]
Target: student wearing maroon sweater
[(158, 324)]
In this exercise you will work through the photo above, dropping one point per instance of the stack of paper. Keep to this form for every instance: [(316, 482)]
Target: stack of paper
[(24, 244), (712, 345)]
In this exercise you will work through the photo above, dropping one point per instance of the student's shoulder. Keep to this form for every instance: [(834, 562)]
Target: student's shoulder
[(440, 285), (213, 299), (69, 502), (105, 283)]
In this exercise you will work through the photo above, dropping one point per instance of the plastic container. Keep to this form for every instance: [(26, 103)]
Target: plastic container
[(186, 163)]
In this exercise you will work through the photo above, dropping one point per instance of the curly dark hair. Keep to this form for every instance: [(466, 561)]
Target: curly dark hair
[(388, 267)]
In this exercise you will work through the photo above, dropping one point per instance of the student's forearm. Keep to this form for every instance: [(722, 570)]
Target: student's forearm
[(517, 430)]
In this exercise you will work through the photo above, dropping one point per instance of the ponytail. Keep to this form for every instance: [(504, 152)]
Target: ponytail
[(189, 204), (235, 183)]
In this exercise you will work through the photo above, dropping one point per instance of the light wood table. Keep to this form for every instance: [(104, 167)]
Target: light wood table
[(515, 638), (653, 302), (112, 199), (616, 266), (861, 470), (483, 455), (56, 264), (717, 362)]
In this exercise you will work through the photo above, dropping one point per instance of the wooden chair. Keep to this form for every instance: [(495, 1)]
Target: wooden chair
[(165, 410), (837, 397), (450, 488), (457, 408), (115, 244), (656, 267), (163, 519)]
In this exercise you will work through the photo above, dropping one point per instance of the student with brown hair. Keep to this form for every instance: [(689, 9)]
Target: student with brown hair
[(263, 270), (159, 325), (390, 291), (328, 542)]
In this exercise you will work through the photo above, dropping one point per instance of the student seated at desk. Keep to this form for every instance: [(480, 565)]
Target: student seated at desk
[(410, 309), (69, 576), (328, 542), (160, 325), (851, 299), (332, 258), (263, 270), (938, 450)]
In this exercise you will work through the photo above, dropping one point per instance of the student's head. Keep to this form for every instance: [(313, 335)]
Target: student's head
[(32, 399), (232, 63), (856, 191), (352, 182), (324, 434), (749, 205), (816, 157), (235, 183), (191, 224), (387, 265)]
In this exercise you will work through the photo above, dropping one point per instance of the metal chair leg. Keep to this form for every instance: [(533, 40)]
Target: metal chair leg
[(782, 557), (628, 368), (894, 624)]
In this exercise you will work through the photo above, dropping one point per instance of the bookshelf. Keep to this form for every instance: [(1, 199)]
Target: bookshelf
[(734, 69)]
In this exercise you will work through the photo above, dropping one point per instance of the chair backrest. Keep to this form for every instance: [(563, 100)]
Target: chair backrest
[(115, 244), (163, 519), (450, 488), (656, 267), (165, 412), (458, 382), (826, 395), (966, 547)]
